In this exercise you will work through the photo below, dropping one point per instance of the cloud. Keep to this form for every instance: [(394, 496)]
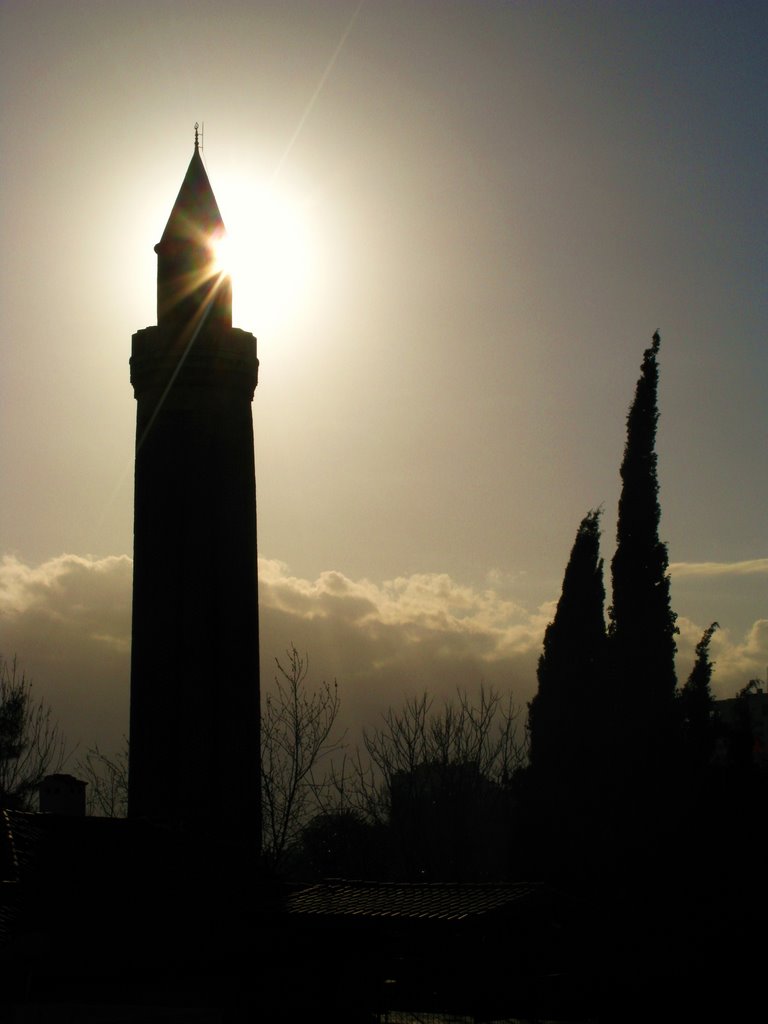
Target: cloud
[(68, 620), (748, 568), (70, 589), (385, 641), (420, 604), (736, 659)]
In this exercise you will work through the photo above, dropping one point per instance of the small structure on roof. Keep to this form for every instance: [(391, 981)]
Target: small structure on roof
[(62, 794)]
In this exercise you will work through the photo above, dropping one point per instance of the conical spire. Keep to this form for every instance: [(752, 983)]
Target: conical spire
[(195, 213), (188, 283)]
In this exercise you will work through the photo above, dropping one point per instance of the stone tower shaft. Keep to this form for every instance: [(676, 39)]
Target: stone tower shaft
[(194, 740)]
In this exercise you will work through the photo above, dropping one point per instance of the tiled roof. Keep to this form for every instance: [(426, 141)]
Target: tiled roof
[(440, 901), (20, 833), (31, 842)]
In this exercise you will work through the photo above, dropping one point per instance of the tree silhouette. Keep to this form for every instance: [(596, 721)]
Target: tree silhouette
[(296, 735), (437, 780), (567, 718), (741, 741), (340, 844), (107, 778), (697, 705), (642, 626), (31, 745), (562, 717)]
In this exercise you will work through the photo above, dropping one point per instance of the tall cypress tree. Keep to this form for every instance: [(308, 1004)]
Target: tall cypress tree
[(562, 715), (642, 626)]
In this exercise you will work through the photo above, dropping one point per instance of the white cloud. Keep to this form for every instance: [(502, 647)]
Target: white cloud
[(382, 641), (747, 568), (423, 602), (70, 588), (737, 659)]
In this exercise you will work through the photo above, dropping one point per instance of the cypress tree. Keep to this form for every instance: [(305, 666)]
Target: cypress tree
[(697, 705), (562, 715), (565, 720), (642, 623)]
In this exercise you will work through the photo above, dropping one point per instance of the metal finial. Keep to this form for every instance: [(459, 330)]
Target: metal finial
[(196, 134)]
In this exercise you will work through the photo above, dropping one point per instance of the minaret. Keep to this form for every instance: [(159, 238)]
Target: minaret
[(194, 733)]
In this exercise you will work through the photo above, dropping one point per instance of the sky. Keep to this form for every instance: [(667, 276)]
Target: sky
[(458, 225)]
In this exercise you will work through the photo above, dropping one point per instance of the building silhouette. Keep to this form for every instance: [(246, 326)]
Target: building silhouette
[(194, 717), (61, 793)]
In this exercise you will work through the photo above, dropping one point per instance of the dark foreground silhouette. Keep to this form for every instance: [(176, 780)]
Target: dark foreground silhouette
[(115, 920)]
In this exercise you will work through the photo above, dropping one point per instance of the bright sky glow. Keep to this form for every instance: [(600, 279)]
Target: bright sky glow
[(268, 251), (221, 253)]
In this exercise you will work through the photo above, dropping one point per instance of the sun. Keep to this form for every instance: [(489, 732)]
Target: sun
[(221, 257), (267, 252)]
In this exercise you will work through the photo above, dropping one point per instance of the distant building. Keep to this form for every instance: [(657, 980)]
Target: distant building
[(62, 794), (450, 822), (745, 718)]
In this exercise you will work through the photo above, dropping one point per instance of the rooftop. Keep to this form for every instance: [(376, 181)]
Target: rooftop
[(439, 901)]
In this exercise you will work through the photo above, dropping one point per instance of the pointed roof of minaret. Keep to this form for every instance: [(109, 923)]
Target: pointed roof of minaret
[(195, 213)]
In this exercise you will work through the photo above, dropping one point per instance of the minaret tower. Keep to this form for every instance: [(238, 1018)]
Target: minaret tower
[(194, 740)]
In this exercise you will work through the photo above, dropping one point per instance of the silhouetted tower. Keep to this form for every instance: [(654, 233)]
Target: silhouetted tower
[(194, 740)]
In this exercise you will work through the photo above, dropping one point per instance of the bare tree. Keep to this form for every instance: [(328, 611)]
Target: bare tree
[(478, 735), (296, 736), (438, 779), (31, 745), (107, 779)]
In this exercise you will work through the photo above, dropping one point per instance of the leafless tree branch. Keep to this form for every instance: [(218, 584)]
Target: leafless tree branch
[(107, 779), (31, 745), (296, 736), (480, 735)]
